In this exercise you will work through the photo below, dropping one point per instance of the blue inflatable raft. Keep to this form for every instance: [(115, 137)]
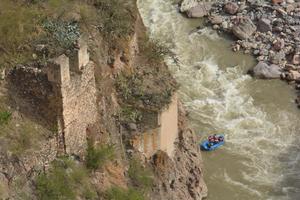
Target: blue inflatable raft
[(210, 146)]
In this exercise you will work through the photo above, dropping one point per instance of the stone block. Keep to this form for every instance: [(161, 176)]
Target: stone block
[(80, 57), (58, 70)]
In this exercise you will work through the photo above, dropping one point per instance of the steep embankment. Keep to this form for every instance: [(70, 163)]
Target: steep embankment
[(83, 115)]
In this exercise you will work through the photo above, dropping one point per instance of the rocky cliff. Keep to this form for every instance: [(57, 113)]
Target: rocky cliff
[(101, 114)]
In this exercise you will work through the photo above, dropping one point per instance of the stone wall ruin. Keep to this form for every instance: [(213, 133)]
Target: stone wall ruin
[(61, 96), (165, 133)]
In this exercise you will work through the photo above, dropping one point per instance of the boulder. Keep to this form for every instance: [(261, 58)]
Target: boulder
[(201, 10), (188, 4), (278, 44), (277, 1), (289, 8), (264, 71), (216, 19), (277, 58), (293, 75), (264, 25), (296, 59), (289, 67), (231, 8), (244, 28)]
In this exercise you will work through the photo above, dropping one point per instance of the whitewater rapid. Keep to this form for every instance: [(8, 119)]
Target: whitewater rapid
[(261, 157)]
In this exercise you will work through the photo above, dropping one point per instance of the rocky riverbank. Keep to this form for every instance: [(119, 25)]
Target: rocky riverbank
[(269, 30)]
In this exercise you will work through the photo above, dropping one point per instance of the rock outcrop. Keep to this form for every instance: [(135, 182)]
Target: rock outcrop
[(180, 177), (244, 28), (200, 10), (265, 71)]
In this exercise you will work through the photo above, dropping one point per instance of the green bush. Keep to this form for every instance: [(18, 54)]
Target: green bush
[(97, 156), (130, 86), (64, 33), (116, 17), (153, 50), (140, 176), (148, 88), (65, 180), (116, 193), (5, 116), (130, 115)]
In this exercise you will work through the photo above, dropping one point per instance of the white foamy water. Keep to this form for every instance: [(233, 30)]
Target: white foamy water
[(261, 157)]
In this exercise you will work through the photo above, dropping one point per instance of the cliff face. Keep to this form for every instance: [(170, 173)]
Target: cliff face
[(121, 96), (180, 176)]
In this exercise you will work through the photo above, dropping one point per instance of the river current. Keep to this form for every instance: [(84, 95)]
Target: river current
[(261, 159)]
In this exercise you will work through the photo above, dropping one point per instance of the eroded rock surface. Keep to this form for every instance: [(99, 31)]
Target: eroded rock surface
[(180, 177)]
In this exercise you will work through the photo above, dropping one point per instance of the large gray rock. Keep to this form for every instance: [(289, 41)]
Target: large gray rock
[(244, 28), (264, 71), (200, 10), (264, 25)]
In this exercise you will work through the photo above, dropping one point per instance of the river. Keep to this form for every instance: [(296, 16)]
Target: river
[(261, 159)]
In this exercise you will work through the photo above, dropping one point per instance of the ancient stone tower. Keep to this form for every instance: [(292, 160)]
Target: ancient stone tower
[(75, 84), (61, 95)]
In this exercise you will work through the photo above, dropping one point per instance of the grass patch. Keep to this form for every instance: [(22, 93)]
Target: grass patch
[(153, 50), (116, 193), (18, 26), (5, 117), (97, 156), (116, 17), (146, 88), (19, 134), (130, 115), (64, 180), (56, 23), (141, 176)]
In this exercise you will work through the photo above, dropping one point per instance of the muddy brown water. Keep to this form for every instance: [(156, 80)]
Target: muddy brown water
[(260, 160)]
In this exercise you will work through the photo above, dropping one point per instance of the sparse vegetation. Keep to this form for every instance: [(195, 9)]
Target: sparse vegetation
[(97, 156), (130, 115), (148, 89), (64, 33), (116, 18), (5, 116), (141, 176), (154, 51), (19, 134), (24, 23), (142, 179), (116, 193), (18, 26), (64, 180)]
